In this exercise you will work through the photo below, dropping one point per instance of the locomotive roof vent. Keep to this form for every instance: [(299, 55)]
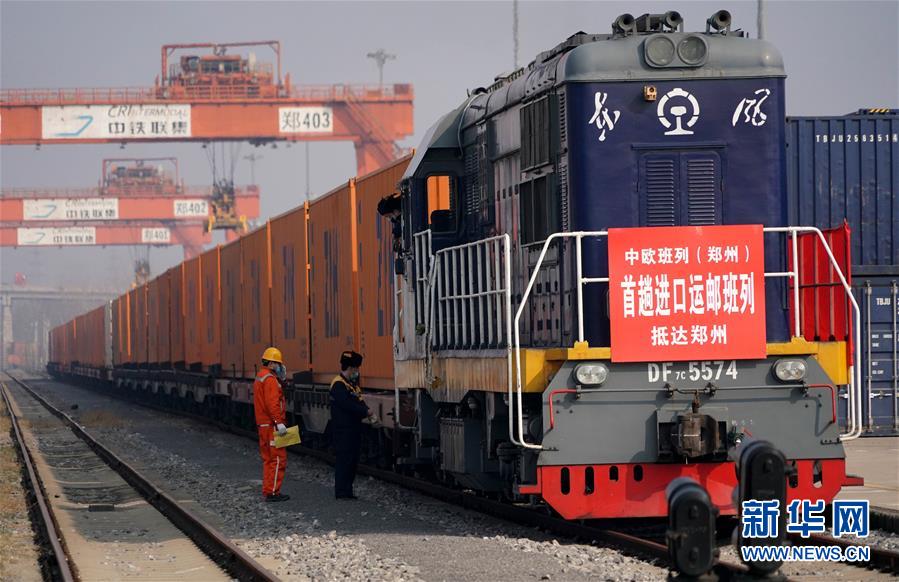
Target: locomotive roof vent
[(720, 21), (623, 25), (626, 24)]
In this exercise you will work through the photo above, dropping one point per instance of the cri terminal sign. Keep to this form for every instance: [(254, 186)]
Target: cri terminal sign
[(63, 236), (70, 209), (127, 122), (687, 293)]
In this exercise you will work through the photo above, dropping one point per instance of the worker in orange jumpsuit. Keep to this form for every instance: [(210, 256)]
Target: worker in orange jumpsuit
[(270, 409)]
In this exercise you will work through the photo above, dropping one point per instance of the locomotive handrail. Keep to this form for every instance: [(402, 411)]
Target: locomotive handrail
[(421, 242), (854, 409), (422, 256), (854, 416), (503, 294), (521, 305)]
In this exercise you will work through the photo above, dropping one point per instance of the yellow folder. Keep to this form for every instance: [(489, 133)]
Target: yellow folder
[(291, 437)]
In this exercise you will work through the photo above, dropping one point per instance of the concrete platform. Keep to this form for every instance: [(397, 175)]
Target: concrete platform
[(877, 460)]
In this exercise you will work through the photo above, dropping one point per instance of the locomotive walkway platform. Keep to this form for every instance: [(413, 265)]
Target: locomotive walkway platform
[(877, 460)]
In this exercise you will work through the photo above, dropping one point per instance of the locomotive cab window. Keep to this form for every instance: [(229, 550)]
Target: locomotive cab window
[(439, 195), (438, 206)]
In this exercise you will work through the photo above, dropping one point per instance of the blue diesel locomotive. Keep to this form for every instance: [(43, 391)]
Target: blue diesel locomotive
[(508, 372), (503, 347)]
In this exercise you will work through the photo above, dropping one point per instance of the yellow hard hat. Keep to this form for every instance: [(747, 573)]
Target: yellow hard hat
[(272, 355)]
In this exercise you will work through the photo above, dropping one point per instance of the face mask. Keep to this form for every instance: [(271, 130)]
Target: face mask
[(281, 372), (353, 377)]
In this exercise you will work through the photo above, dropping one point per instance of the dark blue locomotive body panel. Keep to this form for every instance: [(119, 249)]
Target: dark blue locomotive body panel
[(704, 152)]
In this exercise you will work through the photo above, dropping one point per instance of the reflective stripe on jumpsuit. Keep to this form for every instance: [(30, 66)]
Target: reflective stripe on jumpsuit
[(268, 401)]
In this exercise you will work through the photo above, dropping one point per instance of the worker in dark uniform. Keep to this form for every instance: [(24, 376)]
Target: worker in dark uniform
[(348, 410)]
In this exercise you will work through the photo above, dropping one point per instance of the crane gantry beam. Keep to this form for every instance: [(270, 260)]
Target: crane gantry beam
[(191, 235), (374, 118), (34, 205), (136, 202)]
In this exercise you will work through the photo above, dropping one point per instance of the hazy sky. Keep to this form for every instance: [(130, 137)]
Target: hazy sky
[(839, 56)]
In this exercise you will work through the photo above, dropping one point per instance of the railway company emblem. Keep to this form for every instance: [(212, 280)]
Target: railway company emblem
[(751, 109), (677, 114), (604, 119)]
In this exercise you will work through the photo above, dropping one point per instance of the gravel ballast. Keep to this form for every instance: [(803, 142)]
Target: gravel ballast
[(18, 552), (389, 534)]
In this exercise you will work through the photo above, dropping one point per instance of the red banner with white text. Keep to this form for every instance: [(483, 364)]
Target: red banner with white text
[(687, 293)]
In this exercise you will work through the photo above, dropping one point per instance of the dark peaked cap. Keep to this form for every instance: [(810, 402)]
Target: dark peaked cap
[(350, 358)]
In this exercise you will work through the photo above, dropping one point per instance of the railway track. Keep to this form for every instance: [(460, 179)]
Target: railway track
[(91, 510), (647, 548), (641, 542), (881, 559)]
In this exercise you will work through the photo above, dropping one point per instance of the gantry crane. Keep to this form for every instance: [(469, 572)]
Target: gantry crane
[(137, 202), (215, 96)]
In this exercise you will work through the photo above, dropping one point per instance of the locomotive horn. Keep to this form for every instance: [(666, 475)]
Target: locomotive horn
[(719, 20), (673, 19), (623, 24)]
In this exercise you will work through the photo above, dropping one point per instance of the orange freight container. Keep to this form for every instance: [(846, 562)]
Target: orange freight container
[(53, 347), (60, 344), (64, 344), (71, 342), (332, 286), (81, 352), (86, 340), (121, 330), (59, 355), (210, 311), (231, 311), (131, 304), (153, 322), (94, 340), (142, 325), (139, 326), (92, 336), (290, 298), (256, 297), (163, 320), (101, 325), (133, 334), (375, 275), (192, 322), (176, 315), (116, 331)]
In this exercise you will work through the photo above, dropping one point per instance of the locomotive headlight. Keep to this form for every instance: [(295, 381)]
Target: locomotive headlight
[(659, 51), (790, 370), (693, 50), (591, 374)]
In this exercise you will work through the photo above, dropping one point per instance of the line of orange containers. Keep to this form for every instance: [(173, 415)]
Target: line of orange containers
[(81, 340), (314, 281)]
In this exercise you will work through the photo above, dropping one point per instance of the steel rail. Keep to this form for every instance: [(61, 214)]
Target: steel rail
[(521, 515), (528, 516), (60, 567), (881, 558), (219, 548)]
